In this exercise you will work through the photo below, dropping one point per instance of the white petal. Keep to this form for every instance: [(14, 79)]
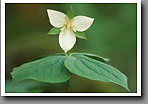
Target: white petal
[(56, 18), (82, 23), (67, 39)]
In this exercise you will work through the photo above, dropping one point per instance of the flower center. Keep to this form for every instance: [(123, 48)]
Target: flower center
[(68, 25)]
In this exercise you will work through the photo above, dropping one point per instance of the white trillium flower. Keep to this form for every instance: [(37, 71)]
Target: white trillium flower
[(67, 37)]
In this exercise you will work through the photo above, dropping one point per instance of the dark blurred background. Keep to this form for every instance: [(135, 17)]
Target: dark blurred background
[(112, 35)]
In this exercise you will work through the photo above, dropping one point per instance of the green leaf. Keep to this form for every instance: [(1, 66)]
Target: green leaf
[(95, 70), (70, 13), (54, 31), (80, 35), (49, 69), (100, 58)]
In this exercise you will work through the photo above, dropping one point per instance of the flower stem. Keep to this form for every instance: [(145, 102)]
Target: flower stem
[(68, 53), (67, 86)]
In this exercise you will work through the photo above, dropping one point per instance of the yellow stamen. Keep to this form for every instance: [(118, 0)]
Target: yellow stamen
[(68, 25)]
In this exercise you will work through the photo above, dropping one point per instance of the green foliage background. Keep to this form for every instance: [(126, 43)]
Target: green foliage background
[(112, 35)]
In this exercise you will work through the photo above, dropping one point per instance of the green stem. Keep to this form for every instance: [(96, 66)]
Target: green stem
[(67, 86), (68, 53), (67, 83)]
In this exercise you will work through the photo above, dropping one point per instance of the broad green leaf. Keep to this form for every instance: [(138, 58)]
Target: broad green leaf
[(49, 69), (54, 31), (95, 70), (70, 13), (100, 58), (80, 35)]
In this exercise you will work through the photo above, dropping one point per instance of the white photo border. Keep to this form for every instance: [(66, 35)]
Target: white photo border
[(3, 93)]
